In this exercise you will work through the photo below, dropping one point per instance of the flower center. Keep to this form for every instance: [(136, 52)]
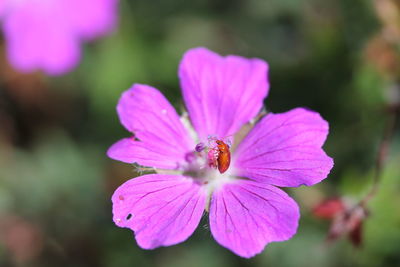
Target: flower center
[(210, 163)]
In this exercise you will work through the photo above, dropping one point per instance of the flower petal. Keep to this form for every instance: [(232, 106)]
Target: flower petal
[(162, 210), (245, 216), (221, 93), (163, 140), (285, 150), (33, 43), (3, 6), (90, 18), (146, 154)]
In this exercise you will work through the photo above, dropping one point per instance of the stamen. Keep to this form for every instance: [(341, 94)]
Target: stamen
[(200, 147)]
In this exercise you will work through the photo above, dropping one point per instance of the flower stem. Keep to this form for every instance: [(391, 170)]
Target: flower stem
[(382, 153)]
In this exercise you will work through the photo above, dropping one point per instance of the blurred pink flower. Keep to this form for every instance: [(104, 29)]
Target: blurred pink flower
[(346, 218), (46, 34), (329, 208), (246, 208)]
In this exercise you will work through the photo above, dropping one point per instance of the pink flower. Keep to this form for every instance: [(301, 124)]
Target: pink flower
[(346, 218), (246, 208), (46, 34)]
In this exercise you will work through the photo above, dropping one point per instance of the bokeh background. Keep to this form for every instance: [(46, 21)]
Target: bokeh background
[(338, 57)]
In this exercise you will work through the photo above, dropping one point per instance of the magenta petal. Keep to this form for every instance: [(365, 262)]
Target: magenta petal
[(162, 210), (38, 38), (245, 216), (285, 150), (46, 35), (3, 6), (91, 18), (163, 140), (221, 93), (146, 154)]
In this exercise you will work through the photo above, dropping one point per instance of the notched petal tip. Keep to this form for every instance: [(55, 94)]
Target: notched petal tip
[(245, 216), (286, 149), (162, 210), (221, 93), (162, 141)]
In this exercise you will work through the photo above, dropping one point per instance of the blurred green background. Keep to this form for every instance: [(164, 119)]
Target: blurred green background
[(338, 57)]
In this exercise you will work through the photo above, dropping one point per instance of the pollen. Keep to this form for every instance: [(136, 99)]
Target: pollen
[(217, 154)]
